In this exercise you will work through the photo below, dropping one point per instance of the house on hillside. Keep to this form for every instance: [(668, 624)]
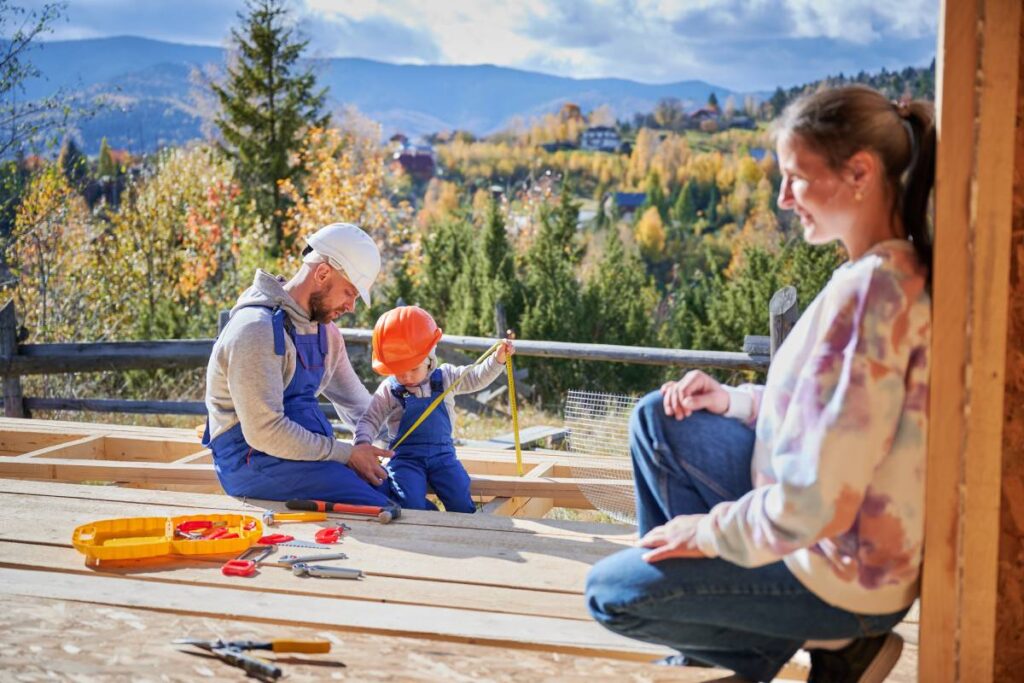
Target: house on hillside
[(600, 139), (742, 122), (417, 161), (557, 146), (626, 203)]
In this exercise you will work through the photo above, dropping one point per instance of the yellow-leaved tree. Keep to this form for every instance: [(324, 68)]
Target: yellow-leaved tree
[(49, 257), (650, 234), (346, 183)]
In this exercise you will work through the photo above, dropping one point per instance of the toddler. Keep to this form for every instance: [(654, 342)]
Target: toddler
[(404, 341)]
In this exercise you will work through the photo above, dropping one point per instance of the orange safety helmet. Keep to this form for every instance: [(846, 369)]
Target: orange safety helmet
[(402, 338)]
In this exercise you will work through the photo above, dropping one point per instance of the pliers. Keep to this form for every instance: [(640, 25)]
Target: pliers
[(234, 653)]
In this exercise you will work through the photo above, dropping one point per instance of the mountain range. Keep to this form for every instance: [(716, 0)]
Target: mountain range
[(152, 98)]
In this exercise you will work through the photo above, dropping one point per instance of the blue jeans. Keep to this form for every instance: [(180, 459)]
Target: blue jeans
[(748, 620)]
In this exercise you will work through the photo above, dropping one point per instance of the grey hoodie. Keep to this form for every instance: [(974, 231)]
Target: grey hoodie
[(245, 379)]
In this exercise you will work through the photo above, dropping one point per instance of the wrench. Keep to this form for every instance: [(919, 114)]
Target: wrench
[(290, 560), (325, 572)]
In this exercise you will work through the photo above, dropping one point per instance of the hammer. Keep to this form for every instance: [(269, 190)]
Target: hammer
[(271, 518), (383, 514)]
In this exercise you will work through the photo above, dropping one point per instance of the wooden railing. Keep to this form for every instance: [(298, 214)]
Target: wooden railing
[(17, 359)]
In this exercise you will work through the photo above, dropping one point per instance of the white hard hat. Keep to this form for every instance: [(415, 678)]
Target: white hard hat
[(347, 248)]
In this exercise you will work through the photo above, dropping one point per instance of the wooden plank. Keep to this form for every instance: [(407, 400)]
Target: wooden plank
[(565, 492), (1009, 646), (52, 493), (383, 589), (18, 442), (973, 185), (176, 354), (168, 354), (458, 555), (503, 505), (956, 69), (88, 447), (204, 456), (508, 630), (595, 352), (44, 639), (993, 192)]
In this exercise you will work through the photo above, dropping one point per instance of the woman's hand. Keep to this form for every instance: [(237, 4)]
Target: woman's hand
[(677, 538), (507, 348), (695, 391)]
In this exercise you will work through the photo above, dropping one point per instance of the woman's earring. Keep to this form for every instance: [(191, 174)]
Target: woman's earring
[(857, 196)]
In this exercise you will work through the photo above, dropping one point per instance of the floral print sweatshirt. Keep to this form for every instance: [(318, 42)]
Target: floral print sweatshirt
[(841, 427)]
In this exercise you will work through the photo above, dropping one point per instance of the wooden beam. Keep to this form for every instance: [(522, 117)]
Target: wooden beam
[(510, 506), (403, 590), (977, 82), (565, 492), (1009, 648), (508, 630)]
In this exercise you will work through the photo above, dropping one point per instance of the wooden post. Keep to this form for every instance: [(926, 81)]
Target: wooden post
[(783, 312), (977, 79), (14, 401), (500, 322), (222, 321), (1009, 649)]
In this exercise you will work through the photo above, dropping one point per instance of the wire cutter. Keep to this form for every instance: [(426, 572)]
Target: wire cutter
[(234, 653)]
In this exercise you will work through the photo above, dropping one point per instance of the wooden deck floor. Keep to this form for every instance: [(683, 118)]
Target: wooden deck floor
[(446, 597)]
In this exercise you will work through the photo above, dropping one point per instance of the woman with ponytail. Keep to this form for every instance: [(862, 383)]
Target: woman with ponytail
[(790, 515)]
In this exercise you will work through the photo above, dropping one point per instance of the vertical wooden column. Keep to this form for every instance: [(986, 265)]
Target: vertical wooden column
[(978, 71), (14, 401), (1009, 650)]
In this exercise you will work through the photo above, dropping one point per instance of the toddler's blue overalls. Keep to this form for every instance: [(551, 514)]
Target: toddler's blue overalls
[(245, 471), (428, 455)]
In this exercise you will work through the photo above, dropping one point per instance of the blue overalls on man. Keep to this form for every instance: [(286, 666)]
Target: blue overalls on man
[(278, 353)]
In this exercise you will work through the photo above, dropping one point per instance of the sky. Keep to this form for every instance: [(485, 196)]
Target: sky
[(742, 45)]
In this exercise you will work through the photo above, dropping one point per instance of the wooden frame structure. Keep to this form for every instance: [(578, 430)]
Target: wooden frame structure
[(976, 465)]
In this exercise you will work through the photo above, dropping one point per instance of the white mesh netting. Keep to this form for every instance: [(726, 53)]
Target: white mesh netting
[(598, 426)]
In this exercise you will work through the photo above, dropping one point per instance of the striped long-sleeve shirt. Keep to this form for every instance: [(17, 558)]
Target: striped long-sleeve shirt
[(841, 427)]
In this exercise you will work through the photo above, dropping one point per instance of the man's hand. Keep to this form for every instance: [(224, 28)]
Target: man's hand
[(365, 460), (695, 391), (677, 538)]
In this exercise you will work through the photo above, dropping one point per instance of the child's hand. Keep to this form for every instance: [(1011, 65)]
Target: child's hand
[(506, 349)]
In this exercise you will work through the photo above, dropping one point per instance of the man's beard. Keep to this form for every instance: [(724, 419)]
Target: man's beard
[(319, 313)]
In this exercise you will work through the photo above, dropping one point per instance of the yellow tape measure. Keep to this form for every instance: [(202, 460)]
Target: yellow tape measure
[(511, 399)]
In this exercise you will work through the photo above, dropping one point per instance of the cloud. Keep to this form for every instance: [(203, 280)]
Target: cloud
[(741, 44), (185, 21)]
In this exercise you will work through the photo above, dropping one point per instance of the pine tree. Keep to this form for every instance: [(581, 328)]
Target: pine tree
[(619, 302), (499, 283), (552, 309), (105, 166), (713, 101), (266, 104), (684, 212), (72, 162), (448, 251), (655, 196)]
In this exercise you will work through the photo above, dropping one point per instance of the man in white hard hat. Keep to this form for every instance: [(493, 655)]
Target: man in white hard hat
[(276, 355)]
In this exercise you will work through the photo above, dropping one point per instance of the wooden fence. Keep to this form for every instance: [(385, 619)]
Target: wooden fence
[(17, 359)]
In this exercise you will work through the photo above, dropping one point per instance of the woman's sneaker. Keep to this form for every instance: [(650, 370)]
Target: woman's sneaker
[(865, 660)]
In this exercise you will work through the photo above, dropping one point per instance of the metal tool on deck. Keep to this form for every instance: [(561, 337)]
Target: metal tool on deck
[(288, 561), (383, 514), (234, 653), (325, 572), (271, 518)]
